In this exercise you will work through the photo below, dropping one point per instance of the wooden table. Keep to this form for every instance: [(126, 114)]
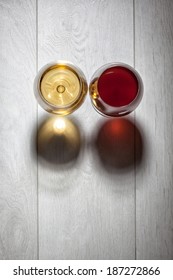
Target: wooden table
[(102, 197)]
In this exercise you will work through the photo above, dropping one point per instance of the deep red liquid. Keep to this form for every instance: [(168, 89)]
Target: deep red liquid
[(117, 86)]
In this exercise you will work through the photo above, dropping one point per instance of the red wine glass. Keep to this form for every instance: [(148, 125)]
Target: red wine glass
[(116, 89)]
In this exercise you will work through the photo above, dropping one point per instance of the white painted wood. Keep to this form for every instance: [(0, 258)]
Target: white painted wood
[(154, 60), (18, 172), (86, 209)]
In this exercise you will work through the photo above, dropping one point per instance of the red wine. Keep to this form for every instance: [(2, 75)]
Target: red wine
[(116, 89), (117, 86)]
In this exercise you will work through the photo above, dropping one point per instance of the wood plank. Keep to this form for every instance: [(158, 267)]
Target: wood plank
[(18, 116), (154, 60), (86, 208)]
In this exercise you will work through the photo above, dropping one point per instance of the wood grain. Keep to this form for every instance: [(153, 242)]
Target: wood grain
[(18, 176), (97, 199), (86, 204), (154, 60)]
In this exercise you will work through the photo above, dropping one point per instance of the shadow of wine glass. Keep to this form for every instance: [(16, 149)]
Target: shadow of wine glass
[(59, 140), (119, 144)]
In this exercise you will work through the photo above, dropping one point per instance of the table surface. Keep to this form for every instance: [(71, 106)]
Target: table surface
[(98, 194)]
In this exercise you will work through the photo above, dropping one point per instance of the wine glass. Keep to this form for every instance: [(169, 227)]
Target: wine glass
[(60, 87), (116, 89)]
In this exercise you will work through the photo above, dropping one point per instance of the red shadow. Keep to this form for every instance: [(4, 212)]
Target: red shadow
[(119, 144)]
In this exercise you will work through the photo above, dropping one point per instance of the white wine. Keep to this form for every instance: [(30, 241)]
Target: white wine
[(60, 88)]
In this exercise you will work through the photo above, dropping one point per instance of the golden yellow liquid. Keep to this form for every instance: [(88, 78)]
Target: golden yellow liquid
[(95, 98), (63, 88)]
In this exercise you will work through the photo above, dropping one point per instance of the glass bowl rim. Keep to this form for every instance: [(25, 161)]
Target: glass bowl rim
[(132, 105), (80, 74)]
